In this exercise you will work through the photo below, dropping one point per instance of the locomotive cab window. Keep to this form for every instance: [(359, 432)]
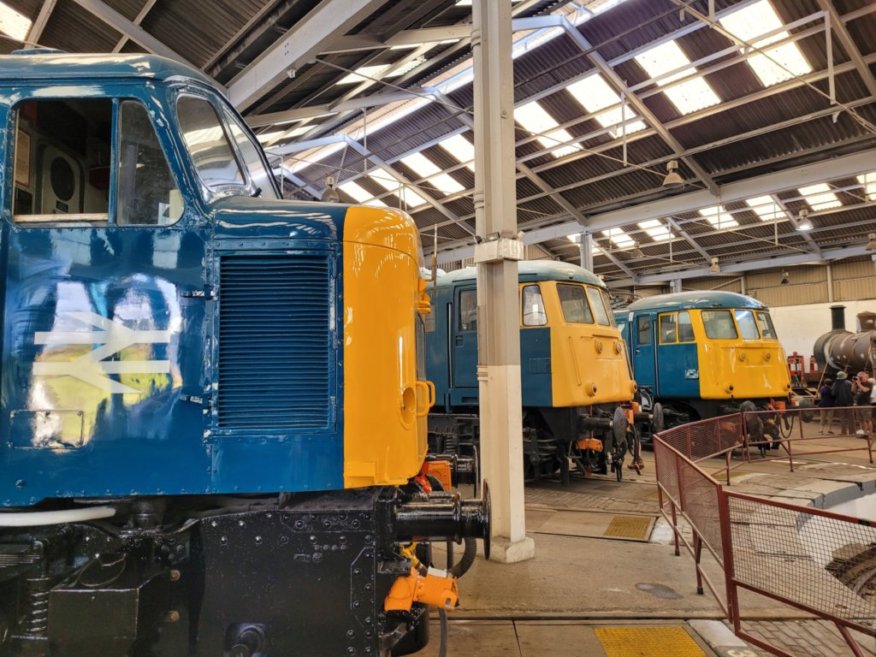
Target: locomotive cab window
[(65, 166), (209, 145), (532, 306), (643, 330), (468, 310), (685, 327), (597, 302), (747, 326), (666, 328), (719, 325), (765, 324), (574, 304)]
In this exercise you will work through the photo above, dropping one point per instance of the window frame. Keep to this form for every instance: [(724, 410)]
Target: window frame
[(769, 321), (583, 290), (674, 317), (232, 118), (600, 295), (90, 219), (739, 331), (650, 328), (458, 321), (693, 336)]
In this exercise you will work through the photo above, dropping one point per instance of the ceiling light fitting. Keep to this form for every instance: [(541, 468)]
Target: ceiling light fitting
[(715, 267), (672, 178), (804, 223)]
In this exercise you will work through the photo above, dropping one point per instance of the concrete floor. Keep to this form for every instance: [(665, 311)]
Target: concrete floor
[(581, 585)]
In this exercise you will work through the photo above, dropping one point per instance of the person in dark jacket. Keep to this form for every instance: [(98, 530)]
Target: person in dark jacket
[(862, 389), (842, 396), (826, 403)]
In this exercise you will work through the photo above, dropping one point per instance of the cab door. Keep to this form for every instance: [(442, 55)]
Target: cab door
[(464, 346), (100, 265), (644, 355)]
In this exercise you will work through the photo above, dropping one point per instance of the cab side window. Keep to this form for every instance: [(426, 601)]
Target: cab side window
[(468, 310), (685, 327), (533, 307), (765, 323), (643, 330), (747, 326), (65, 165), (208, 144), (147, 192), (667, 324), (62, 161)]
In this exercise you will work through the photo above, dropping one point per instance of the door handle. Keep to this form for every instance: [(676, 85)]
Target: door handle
[(458, 340)]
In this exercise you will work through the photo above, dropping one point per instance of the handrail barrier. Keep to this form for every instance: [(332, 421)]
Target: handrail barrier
[(810, 559)]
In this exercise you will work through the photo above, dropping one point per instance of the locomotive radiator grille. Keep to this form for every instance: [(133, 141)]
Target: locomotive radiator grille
[(274, 342)]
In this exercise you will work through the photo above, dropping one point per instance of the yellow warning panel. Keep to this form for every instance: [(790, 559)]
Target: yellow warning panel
[(634, 527), (648, 642)]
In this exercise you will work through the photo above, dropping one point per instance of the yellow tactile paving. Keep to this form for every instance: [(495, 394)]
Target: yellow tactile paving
[(647, 642), (638, 527)]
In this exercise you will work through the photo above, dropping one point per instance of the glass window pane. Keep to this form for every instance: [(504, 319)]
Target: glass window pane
[(745, 320), (685, 328), (468, 310), (574, 305), (62, 161), (252, 159), (207, 143), (148, 194), (643, 330), (533, 307), (765, 323), (667, 329), (606, 301), (598, 305), (719, 324)]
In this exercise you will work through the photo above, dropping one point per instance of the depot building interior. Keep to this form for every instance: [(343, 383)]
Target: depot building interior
[(648, 242)]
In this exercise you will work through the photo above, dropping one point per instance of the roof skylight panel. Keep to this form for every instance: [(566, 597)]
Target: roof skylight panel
[(535, 120), (427, 169), (773, 65), (363, 74), (360, 194), (819, 197), (766, 208), (408, 196), (14, 23), (618, 237), (868, 180), (656, 230), (689, 96), (718, 217), (461, 149), (594, 94)]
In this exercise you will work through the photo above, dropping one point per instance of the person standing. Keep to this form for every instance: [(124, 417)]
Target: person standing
[(863, 389), (826, 403), (842, 397)]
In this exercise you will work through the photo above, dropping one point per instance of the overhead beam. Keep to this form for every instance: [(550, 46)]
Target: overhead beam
[(130, 30), (748, 265), (849, 45), (36, 29), (809, 174), (674, 225), (300, 44), (138, 19), (314, 111)]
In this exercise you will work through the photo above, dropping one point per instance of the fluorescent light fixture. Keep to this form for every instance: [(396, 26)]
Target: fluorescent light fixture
[(766, 208), (751, 22), (14, 23), (427, 169), (689, 96), (868, 180), (656, 230), (718, 217), (819, 197), (357, 192), (594, 94), (535, 120), (363, 74), (409, 197), (461, 149), (618, 237)]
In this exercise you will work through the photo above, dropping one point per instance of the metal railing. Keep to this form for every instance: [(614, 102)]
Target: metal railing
[(810, 559)]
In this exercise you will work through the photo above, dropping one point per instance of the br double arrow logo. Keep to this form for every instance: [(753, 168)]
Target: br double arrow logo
[(93, 368)]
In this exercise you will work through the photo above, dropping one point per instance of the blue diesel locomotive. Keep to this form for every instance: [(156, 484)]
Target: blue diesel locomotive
[(212, 410), (577, 390), (702, 354)]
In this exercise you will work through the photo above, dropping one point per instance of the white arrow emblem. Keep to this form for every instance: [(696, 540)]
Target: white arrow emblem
[(91, 368)]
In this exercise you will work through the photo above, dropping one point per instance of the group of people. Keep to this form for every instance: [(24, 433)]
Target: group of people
[(859, 391)]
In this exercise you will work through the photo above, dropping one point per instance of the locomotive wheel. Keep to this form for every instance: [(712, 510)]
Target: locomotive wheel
[(658, 422)]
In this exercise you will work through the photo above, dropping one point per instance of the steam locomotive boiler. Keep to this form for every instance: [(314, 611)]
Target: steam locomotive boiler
[(212, 413), (841, 350)]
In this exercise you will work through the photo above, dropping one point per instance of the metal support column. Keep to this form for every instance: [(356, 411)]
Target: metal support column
[(496, 255), (586, 248)]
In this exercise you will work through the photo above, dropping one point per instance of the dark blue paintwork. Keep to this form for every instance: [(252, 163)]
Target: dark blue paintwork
[(163, 438)]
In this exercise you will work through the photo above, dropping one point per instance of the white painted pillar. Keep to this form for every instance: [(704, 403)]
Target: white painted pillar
[(585, 247), (496, 256)]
